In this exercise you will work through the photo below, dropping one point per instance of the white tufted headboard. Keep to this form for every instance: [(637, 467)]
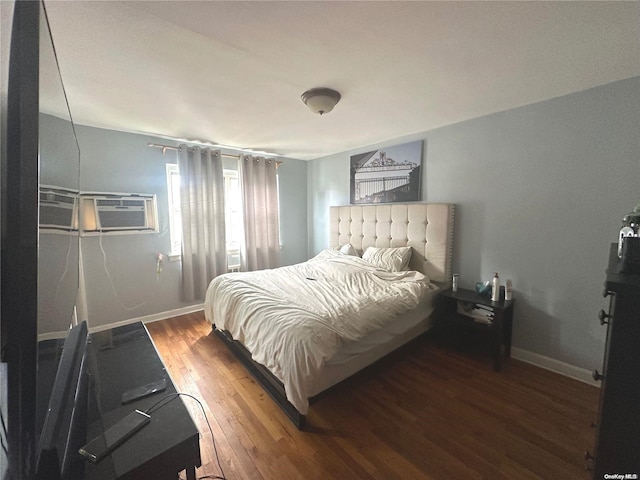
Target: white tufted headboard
[(427, 227)]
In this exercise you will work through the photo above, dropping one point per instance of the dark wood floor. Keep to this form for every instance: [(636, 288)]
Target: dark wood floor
[(423, 413)]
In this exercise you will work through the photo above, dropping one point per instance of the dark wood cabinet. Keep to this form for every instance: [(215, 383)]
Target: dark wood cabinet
[(122, 359), (498, 330), (617, 445)]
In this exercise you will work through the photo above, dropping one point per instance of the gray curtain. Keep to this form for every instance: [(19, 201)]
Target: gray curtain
[(261, 248), (204, 254)]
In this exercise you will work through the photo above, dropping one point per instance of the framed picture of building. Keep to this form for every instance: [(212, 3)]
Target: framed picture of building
[(390, 174)]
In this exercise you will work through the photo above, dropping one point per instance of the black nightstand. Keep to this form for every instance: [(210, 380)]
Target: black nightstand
[(499, 330)]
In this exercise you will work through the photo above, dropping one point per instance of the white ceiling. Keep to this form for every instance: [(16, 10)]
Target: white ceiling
[(232, 72)]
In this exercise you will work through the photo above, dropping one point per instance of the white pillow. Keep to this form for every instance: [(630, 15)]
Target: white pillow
[(392, 259), (348, 249)]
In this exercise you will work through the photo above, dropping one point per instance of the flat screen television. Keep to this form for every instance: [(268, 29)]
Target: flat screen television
[(64, 425), (39, 265)]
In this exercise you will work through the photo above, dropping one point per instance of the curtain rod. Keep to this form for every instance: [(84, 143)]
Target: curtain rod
[(171, 147)]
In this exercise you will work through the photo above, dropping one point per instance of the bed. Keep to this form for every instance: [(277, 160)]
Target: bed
[(301, 329)]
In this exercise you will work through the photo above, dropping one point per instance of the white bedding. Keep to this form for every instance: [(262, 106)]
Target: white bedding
[(294, 319)]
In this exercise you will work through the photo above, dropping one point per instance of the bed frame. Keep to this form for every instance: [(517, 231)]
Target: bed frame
[(426, 227)]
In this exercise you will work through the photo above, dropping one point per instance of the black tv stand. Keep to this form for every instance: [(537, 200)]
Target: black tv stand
[(121, 359)]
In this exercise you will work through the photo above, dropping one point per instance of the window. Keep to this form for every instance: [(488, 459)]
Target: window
[(175, 220), (232, 217), (233, 213), (280, 236)]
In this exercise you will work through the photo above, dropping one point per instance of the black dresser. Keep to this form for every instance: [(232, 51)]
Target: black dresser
[(100, 369), (122, 359), (617, 445)]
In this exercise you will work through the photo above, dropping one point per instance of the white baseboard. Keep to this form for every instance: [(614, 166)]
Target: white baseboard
[(548, 363), (53, 335), (151, 318)]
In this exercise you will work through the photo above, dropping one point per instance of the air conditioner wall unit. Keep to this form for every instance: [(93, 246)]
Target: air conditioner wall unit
[(58, 209), (118, 213)]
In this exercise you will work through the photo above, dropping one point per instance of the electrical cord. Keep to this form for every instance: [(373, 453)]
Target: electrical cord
[(5, 435), (64, 274), (113, 287), (171, 397), (168, 398)]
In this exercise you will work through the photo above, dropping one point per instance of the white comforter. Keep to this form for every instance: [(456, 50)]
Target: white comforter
[(293, 319)]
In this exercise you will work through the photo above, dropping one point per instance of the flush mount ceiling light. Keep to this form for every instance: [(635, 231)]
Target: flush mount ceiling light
[(321, 100)]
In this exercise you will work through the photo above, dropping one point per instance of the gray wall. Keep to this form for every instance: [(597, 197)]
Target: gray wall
[(293, 211), (58, 252), (541, 191), (120, 270)]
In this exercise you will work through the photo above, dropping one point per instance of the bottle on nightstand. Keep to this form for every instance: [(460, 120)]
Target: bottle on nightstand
[(495, 288)]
